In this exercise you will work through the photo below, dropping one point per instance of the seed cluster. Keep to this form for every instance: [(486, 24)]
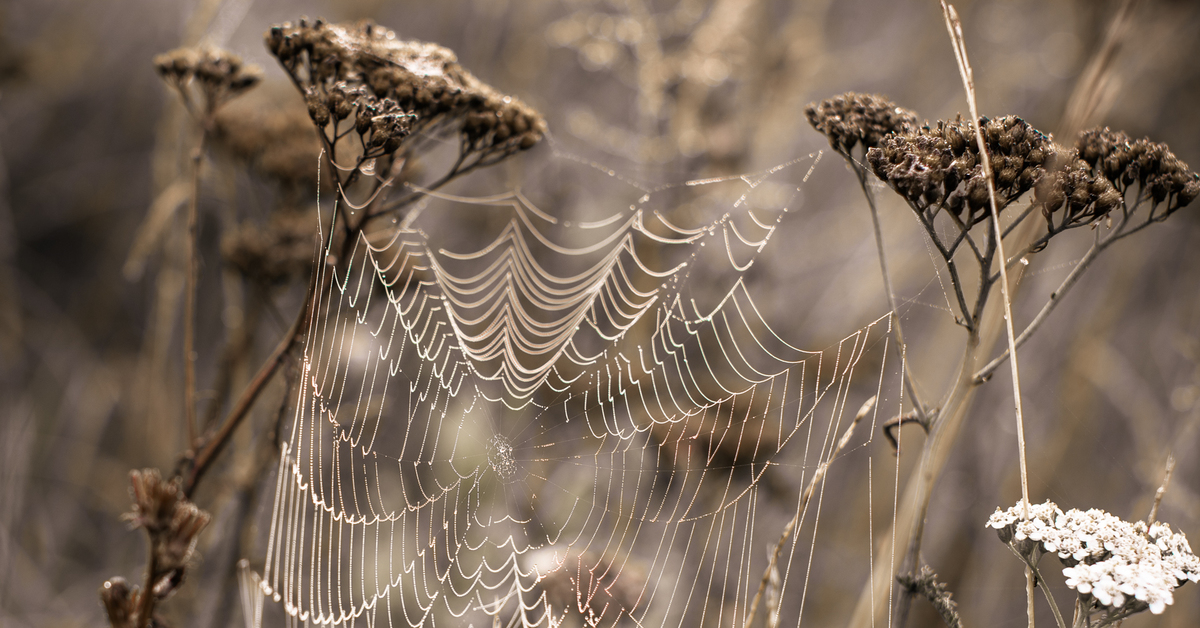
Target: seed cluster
[(1074, 194), (390, 89), (939, 166), (220, 74), (1161, 175), (852, 119), (1121, 566)]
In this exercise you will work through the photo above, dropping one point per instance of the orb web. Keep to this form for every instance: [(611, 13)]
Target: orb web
[(562, 423)]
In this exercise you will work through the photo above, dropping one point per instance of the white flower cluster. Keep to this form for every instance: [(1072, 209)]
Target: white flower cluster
[(1124, 566)]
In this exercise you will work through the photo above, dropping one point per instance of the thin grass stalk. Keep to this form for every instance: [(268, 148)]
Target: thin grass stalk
[(954, 26)]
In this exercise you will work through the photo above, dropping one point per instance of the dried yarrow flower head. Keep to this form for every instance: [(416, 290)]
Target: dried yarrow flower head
[(218, 73), (1161, 176), (1074, 194), (390, 89), (852, 119), (277, 142), (1118, 568), (939, 166)]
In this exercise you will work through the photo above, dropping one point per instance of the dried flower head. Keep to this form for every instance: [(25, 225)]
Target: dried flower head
[(179, 541), (219, 74), (273, 253), (277, 142), (1161, 176), (171, 521), (1117, 567), (1074, 194), (940, 166), (394, 89), (852, 119)]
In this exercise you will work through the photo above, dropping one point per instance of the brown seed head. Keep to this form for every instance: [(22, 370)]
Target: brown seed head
[(940, 165), (852, 118), (366, 72), (1160, 175)]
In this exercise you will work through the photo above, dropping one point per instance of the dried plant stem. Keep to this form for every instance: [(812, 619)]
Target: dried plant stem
[(146, 601), (1162, 490), (861, 172), (1072, 278), (189, 291), (802, 506), (954, 27), (215, 443), (1033, 569)]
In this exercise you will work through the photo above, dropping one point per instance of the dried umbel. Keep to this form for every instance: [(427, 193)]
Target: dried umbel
[(1074, 194), (219, 74), (390, 90), (1161, 176), (1118, 568), (852, 119), (939, 166)]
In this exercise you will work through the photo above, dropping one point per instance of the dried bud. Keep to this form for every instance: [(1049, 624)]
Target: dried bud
[(1161, 175), (318, 110), (177, 65), (180, 540), (154, 500), (219, 73), (120, 603), (1075, 194)]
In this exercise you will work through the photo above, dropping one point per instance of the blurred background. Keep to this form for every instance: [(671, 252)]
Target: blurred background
[(93, 145)]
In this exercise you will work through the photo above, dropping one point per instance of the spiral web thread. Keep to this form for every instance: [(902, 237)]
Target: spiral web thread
[(537, 434)]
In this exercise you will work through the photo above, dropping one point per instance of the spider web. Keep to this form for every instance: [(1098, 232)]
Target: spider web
[(563, 423)]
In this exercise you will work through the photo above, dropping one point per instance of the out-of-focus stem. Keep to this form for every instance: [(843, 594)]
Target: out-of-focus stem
[(146, 602), (189, 299)]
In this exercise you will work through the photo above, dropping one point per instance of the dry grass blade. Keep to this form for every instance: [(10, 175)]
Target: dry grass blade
[(954, 27)]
